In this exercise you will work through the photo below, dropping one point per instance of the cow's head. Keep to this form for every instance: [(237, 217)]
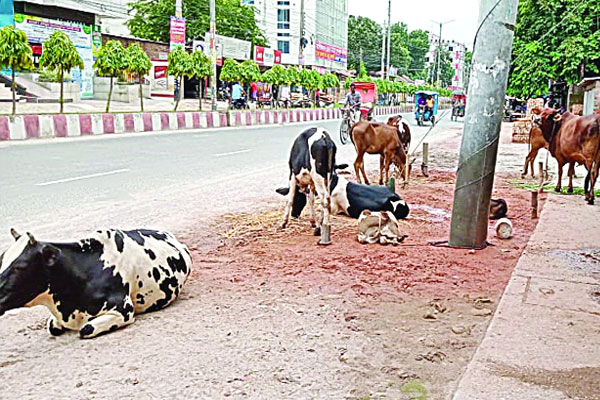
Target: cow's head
[(548, 120), (24, 271)]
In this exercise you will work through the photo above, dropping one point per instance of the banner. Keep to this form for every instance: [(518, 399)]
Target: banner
[(177, 33), (39, 29), (266, 57), (231, 48), (329, 52), (6, 13)]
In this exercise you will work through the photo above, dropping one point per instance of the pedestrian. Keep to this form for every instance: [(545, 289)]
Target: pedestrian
[(253, 91)]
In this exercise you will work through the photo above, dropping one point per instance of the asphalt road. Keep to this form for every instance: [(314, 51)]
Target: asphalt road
[(59, 189)]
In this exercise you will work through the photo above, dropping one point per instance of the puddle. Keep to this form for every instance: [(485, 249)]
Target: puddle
[(587, 260), (437, 214)]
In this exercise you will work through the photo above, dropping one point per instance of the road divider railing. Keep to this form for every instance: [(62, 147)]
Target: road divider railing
[(70, 125)]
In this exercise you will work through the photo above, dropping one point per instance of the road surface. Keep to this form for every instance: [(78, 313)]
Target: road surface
[(59, 189)]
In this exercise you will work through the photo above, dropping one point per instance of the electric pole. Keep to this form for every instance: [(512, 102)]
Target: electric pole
[(439, 51), (479, 146), (382, 51), (389, 32), (213, 56), (301, 52)]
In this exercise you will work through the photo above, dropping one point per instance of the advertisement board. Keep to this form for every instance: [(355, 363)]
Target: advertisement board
[(266, 57), (329, 52), (231, 48), (177, 33), (39, 29)]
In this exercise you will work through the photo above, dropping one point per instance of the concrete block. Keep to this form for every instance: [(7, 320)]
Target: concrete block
[(4, 128), (60, 125), (97, 124), (119, 123), (73, 128), (17, 128), (173, 121), (138, 122), (85, 124), (32, 126), (128, 123), (46, 128)]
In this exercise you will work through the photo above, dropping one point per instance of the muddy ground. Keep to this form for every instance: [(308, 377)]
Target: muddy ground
[(270, 315)]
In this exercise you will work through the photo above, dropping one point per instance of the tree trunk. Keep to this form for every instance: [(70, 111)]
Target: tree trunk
[(179, 96), (141, 93), (61, 99), (109, 94), (14, 89), (199, 94)]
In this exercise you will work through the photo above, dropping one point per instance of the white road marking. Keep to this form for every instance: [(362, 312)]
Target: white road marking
[(116, 171), (231, 153)]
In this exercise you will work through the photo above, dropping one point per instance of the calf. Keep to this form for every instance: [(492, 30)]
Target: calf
[(352, 199), (312, 160), (403, 130), (97, 284)]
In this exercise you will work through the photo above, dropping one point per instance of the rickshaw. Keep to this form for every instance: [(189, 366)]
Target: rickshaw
[(422, 112), (368, 98), (459, 100)]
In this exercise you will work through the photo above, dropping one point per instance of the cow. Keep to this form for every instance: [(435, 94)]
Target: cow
[(352, 199), (573, 139), (403, 130), (377, 138), (97, 284), (311, 163)]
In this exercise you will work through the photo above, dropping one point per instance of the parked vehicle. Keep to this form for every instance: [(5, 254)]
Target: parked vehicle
[(422, 111), (459, 102)]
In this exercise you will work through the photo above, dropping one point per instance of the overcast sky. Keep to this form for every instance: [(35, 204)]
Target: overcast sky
[(418, 14)]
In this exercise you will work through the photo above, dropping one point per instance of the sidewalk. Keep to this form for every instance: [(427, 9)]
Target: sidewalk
[(544, 340)]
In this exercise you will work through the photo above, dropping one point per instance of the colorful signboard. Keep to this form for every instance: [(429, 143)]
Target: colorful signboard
[(231, 48), (39, 29), (329, 52), (177, 33), (266, 57)]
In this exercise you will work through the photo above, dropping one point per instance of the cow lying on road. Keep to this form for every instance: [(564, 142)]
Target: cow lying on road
[(97, 284)]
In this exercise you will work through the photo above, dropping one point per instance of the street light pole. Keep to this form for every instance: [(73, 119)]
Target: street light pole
[(213, 56), (389, 32), (439, 50), (479, 146), (383, 51)]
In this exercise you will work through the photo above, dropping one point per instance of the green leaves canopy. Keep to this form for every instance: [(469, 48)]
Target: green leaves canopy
[(249, 72), (199, 65), (151, 19), (230, 71), (15, 52), (275, 75), (111, 59), (179, 63), (138, 61), (60, 53)]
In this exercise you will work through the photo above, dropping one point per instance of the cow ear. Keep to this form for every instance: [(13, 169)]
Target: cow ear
[(50, 255), (15, 234)]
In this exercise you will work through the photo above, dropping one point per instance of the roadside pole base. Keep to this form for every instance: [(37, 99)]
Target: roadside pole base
[(325, 235), (425, 170)]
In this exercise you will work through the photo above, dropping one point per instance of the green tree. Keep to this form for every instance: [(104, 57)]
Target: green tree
[(364, 40), (311, 80), (15, 54), (276, 75), (200, 68), (554, 40), (330, 81), (111, 61), (399, 49), (151, 19), (446, 70), (179, 66), (59, 54), (138, 63), (231, 71), (249, 72), (418, 46)]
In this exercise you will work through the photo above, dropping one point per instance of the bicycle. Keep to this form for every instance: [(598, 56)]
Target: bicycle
[(345, 126)]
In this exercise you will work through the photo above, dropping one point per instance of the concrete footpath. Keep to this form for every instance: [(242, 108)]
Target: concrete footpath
[(544, 339)]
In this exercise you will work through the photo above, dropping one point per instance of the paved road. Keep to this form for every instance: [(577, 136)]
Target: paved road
[(62, 188)]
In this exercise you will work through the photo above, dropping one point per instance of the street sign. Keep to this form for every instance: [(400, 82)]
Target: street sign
[(177, 33)]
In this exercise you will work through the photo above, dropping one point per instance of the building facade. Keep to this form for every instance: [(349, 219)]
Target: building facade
[(457, 52), (307, 32)]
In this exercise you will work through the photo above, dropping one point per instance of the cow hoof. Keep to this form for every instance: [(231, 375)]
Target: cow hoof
[(557, 189), (52, 329), (591, 202), (87, 331), (570, 190), (283, 225), (317, 231), (380, 183)]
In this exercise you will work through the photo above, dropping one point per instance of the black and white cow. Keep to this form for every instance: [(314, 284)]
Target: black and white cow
[(97, 284), (352, 199), (312, 161)]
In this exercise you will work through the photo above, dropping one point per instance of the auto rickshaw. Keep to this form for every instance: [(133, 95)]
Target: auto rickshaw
[(422, 111), (459, 101)]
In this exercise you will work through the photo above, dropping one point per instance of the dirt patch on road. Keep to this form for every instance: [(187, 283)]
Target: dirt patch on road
[(391, 321)]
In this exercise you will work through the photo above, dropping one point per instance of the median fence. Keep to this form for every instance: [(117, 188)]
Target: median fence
[(70, 125)]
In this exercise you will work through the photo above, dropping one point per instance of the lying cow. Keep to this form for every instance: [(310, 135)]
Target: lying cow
[(352, 199), (312, 160), (97, 284)]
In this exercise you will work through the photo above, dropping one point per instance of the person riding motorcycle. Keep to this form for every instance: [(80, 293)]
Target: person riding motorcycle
[(353, 102), (238, 96)]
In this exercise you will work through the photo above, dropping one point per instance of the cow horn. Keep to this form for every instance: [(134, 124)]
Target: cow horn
[(32, 240), (15, 234)]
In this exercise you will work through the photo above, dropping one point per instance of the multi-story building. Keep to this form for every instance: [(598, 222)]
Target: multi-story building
[(308, 32), (457, 53)]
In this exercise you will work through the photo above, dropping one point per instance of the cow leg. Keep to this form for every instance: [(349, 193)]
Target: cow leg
[(362, 168), (357, 163), (593, 176), (108, 322), (288, 207), (571, 173), (381, 163), (387, 163), (558, 187), (54, 327), (529, 161), (311, 203)]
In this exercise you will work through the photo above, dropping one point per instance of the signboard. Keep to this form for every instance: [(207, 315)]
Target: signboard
[(6, 13), (230, 48), (177, 33), (266, 57), (329, 52), (205, 47), (39, 29)]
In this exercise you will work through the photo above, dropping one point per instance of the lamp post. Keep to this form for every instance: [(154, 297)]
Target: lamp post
[(213, 56), (439, 51)]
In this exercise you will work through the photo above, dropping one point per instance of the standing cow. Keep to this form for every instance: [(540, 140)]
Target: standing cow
[(97, 284)]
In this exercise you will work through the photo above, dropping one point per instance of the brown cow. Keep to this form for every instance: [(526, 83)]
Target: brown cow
[(537, 142), (573, 139), (403, 130), (377, 138)]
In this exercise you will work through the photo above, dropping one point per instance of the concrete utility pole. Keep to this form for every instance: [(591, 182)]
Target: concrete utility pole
[(477, 161), (301, 52), (439, 51), (213, 56), (389, 33), (383, 50)]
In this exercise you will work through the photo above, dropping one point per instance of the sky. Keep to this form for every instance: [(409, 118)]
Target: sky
[(419, 14)]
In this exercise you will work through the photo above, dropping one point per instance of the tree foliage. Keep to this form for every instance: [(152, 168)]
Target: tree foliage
[(15, 54), (418, 43), (364, 37), (111, 61), (179, 65), (249, 72), (138, 63), (151, 19), (230, 72), (554, 40), (446, 70), (276, 75)]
